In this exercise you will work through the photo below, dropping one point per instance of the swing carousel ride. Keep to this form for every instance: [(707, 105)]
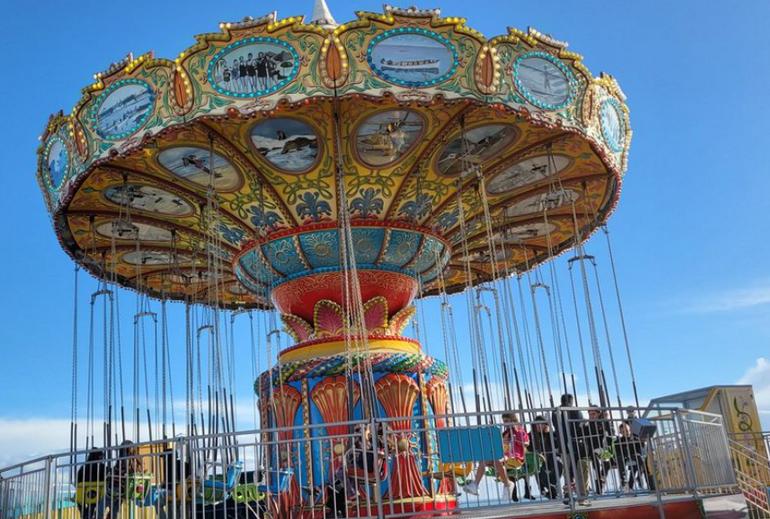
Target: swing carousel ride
[(330, 175)]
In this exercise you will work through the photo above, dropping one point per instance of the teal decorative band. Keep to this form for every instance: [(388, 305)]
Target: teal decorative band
[(407, 251), (339, 364)]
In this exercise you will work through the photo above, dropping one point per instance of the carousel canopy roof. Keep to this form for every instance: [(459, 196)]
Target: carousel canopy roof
[(424, 115)]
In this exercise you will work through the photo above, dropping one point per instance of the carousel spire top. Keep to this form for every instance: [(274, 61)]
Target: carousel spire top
[(322, 16)]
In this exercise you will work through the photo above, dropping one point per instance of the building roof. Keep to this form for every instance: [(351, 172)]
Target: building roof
[(693, 393)]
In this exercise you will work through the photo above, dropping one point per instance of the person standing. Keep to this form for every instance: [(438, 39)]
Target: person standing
[(261, 69), (571, 431), (251, 72), (235, 76), (544, 443), (243, 74)]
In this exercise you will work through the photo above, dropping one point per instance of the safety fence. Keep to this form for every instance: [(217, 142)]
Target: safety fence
[(389, 467)]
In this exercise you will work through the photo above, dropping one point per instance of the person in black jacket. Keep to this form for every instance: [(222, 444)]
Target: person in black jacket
[(175, 473), (630, 454), (598, 438), (544, 442), (92, 471), (571, 431), (127, 464)]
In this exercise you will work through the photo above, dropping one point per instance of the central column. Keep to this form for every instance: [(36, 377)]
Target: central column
[(318, 379)]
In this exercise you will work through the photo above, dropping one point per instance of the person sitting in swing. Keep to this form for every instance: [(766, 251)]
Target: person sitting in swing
[(361, 465), (598, 439), (499, 465), (632, 463), (127, 464), (92, 471), (361, 459), (516, 442)]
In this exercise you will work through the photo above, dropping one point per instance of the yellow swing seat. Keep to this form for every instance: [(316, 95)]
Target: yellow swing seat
[(460, 470), (89, 493)]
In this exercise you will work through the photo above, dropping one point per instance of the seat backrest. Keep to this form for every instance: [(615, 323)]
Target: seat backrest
[(533, 461), (233, 474), (462, 444), (280, 479)]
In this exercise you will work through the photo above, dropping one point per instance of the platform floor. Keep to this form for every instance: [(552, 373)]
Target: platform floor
[(643, 506), (726, 507)]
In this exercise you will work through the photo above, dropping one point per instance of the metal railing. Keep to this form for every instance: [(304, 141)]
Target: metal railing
[(753, 475), (759, 442), (384, 467)]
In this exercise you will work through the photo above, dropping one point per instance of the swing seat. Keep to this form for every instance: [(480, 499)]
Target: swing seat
[(154, 494), (530, 466), (458, 470), (89, 493), (137, 487), (217, 488), (360, 474), (279, 481), (247, 493), (470, 444), (606, 453)]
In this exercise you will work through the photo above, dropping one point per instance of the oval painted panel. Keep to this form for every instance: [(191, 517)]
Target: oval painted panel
[(253, 67), (154, 258), (148, 198), (528, 231), (193, 277), (288, 144), (541, 202), (238, 289), (482, 256), (57, 162), (544, 80), (412, 57), (526, 172), (123, 230), (192, 163), (476, 146), (613, 125), (386, 137), (122, 109)]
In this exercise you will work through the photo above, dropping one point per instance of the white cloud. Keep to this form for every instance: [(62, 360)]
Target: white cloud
[(730, 300), (758, 376), (23, 439), (31, 438)]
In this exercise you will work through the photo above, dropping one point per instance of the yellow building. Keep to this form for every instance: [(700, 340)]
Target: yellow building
[(738, 408)]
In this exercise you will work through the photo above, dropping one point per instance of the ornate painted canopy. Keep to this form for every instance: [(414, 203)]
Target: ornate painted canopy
[(216, 171)]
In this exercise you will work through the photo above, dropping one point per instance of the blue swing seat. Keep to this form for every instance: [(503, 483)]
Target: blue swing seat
[(216, 489), (469, 444), (279, 481)]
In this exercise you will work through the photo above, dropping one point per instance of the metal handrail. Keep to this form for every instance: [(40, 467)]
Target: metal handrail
[(665, 460)]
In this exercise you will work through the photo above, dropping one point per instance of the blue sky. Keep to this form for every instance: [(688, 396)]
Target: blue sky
[(689, 233)]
